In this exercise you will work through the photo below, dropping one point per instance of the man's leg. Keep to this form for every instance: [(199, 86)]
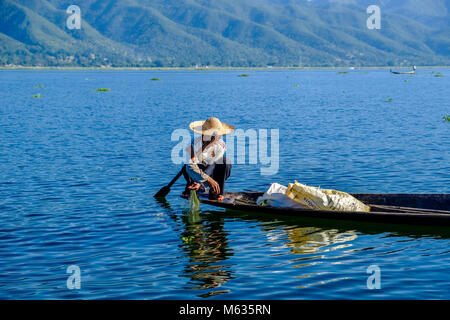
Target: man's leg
[(221, 173)]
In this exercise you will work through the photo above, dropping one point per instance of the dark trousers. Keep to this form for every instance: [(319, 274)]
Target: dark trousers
[(220, 172)]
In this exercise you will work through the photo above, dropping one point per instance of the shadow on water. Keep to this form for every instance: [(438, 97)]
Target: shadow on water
[(205, 242)]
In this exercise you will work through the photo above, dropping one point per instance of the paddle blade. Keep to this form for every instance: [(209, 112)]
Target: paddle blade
[(164, 191)]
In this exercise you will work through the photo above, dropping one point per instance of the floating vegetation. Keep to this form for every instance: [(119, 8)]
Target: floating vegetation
[(243, 75), (39, 86), (187, 239), (389, 100), (137, 179), (345, 91), (295, 85), (102, 89), (37, 96), (342, 72), (406, 80), (155, 79), (438, 75), (447, 117)]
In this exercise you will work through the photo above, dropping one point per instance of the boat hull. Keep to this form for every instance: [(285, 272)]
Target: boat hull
[(397, 72), (425, 209)]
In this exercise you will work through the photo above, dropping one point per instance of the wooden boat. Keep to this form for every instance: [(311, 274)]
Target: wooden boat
[(426, 209), (407, 72)]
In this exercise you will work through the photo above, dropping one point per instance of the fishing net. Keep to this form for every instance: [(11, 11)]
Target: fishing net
[(194, 203)]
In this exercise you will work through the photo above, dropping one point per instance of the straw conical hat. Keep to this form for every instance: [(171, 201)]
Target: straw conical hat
[(211, 126)]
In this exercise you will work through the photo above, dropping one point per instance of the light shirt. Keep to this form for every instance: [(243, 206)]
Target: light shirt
[(213, 153)]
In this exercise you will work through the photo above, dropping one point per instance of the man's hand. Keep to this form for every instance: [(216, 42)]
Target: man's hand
[(214, 185), (195, 186)]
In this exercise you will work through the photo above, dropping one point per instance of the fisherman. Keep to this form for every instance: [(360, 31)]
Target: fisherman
[(207, 164)]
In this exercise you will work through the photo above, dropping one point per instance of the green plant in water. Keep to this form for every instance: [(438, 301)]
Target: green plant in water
[(137, 179), (37, 96), (155, 79), (243, 75), (389, 100), (187, 239), (295, 85), (39, 86), (447, 117), (342, 72), (438, 75), (102, 89)]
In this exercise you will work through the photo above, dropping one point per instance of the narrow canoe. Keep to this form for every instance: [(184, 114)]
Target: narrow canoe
[(400, 72), (426, 209)]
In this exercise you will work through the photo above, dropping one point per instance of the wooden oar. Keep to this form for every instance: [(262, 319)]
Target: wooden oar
[(164, 191)]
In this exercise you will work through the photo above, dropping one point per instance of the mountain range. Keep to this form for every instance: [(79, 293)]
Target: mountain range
[(229, 33)]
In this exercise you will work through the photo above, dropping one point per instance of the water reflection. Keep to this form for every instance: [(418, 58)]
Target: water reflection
[(205, 243), (313, 240), (309, 247), (303, 253)]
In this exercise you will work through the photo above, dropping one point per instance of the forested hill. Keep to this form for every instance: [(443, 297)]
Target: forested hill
[(235, 33)]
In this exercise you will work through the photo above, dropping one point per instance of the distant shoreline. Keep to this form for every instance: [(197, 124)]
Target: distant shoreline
[(211, 68)]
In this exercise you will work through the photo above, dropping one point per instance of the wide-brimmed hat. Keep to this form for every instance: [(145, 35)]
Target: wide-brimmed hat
[(211, 127)]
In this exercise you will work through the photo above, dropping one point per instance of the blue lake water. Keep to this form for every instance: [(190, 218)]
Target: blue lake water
[(78, 169)]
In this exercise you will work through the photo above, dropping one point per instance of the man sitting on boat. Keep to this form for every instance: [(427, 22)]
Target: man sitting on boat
[(207, 163)]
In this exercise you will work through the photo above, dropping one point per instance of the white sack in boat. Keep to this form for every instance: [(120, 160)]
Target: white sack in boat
[(324, 199), (276, 197)]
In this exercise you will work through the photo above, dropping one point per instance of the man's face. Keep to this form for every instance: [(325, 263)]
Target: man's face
[(206, 138)]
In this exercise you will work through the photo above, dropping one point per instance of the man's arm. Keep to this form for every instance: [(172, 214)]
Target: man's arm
[(194, 170), (198, 175)]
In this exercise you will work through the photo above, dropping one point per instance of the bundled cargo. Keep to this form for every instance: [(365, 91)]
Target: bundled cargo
[(324, 199), (298, 195)]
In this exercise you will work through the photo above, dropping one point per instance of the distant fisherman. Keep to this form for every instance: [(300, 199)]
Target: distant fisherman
[(207, 163)]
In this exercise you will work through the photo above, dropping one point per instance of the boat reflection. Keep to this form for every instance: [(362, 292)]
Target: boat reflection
[(310, 244)]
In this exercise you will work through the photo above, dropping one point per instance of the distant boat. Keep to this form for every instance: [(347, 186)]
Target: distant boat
[(408, 72)]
